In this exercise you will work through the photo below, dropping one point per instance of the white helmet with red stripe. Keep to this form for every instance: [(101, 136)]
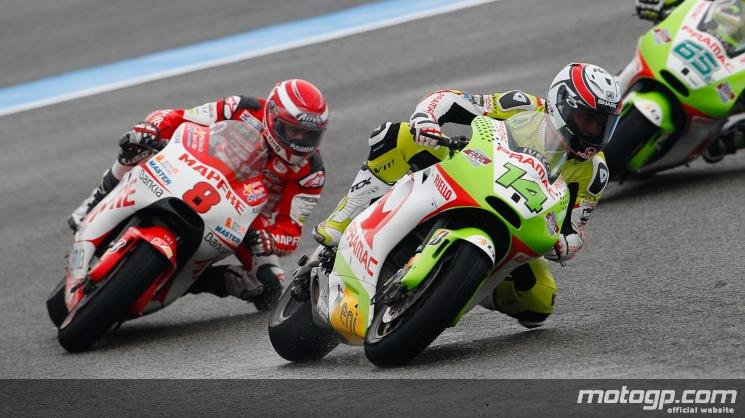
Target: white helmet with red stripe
[(295, 117), (584, 104)]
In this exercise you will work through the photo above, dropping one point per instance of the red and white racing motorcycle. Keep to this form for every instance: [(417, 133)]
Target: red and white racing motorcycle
[(169, 218)]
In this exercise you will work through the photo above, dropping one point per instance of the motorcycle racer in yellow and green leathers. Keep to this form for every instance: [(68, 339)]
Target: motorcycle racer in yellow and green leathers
[(583, 104)]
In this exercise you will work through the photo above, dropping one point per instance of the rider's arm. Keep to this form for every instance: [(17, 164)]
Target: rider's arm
[(299, 198), (454, 106), (655, 10), (586, 181), (206, 114)]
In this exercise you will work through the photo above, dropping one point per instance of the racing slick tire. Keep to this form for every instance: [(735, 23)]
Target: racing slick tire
[(110, 301), (56, 307), (293, 334), (632, 132), (439, 301)]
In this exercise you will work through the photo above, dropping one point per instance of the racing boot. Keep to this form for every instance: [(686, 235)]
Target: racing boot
[(527, 294), (727, 142), (365, 189), (223, 281), (108, 182)]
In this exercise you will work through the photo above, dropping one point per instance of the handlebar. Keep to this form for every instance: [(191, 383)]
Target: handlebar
[(455, 143)]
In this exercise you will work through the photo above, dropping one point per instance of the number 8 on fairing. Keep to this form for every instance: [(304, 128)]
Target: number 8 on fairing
[(202, 197)]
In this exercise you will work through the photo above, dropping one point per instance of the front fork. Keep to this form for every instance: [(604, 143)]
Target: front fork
[(424, 261), (160, 238), (412, 275)]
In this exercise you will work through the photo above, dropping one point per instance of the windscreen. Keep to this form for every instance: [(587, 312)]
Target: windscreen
[(239, 146), (531, 133), (725, 20)]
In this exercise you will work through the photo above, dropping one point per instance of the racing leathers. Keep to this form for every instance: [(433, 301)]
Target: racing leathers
[(396, 148), (293, 192)]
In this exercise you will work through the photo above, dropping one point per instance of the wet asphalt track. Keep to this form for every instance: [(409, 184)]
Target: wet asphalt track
[(657, 292)]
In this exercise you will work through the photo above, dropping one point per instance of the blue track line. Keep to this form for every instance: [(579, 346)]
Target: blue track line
[(230, 49)]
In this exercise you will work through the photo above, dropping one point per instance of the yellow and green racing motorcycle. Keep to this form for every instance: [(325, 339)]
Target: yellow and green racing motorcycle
[(418, 259)]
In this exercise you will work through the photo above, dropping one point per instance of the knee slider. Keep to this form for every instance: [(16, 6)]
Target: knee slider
[(211, 281)]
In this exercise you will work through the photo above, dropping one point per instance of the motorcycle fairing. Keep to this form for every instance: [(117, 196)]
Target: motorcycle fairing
[(368, 240), (173, 172)]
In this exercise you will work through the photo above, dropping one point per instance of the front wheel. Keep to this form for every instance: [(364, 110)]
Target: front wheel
[(293, 334), (110, 302), (56, 307), (400, 331), (632, 132)]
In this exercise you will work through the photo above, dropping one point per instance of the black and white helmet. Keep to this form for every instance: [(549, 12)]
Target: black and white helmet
[(584, 104)]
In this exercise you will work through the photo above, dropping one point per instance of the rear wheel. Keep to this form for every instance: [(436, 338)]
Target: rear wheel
[(110, 301), (56, 307), (293, 334), (401, 330), (632, 132)]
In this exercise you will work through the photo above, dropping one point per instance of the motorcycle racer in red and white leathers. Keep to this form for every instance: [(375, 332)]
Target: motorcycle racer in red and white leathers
[(292, 120)]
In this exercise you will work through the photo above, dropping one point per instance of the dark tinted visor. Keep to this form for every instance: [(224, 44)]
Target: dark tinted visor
[(592, 127), (300, 139)]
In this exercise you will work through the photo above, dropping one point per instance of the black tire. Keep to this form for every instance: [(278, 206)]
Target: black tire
[(450, 287), (632, 132), (56, 307), (293, 334), (109, 303)]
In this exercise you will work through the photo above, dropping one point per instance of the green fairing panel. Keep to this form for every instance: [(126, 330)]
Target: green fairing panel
[(532, 231), (657, 46)]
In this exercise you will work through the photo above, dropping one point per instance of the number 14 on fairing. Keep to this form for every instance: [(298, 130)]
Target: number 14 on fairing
[(529, 190)]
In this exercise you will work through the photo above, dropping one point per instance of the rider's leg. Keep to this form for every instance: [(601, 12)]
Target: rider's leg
[(393, 153), (131, 152), (260, 286), (527, 294), (109, 180)]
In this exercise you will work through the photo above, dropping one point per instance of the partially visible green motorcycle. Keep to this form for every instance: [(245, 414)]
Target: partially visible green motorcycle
[(683, 83)]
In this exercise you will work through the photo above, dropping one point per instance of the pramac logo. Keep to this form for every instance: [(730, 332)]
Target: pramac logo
[(361, 252)]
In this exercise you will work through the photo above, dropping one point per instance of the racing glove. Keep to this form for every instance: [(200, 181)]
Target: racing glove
[(422, 122), (259, 242), (139, 142), (566, 247)]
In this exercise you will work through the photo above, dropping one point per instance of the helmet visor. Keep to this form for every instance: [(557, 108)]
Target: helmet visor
[(300, 139), (592, 128)]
